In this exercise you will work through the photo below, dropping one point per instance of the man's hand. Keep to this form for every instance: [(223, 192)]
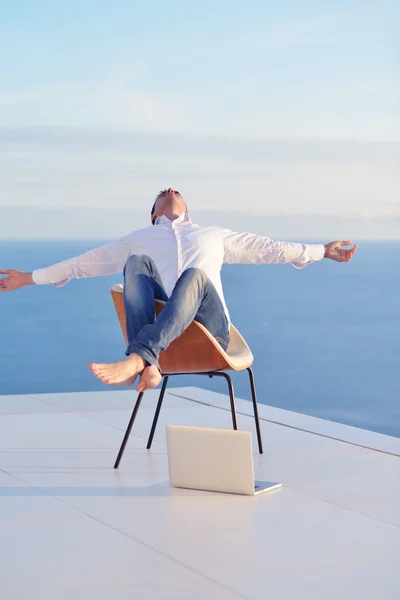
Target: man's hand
[(15, 280), (335, 252)]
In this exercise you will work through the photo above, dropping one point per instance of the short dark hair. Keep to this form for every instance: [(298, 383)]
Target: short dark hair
[(152, 211), (155, 202)]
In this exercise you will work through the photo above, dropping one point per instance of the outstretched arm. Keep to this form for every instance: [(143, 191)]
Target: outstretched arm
[(250, 248), (105, 260)]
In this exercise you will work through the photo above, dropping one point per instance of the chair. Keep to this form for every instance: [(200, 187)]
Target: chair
[(194, 352)]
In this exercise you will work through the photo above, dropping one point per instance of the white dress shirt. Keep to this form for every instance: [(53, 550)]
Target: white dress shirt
[(177, 245)]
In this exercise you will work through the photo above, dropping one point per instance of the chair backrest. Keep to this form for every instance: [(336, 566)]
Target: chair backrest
[(195, 350)]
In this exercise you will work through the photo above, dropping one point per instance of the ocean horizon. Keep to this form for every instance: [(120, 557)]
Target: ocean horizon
[(326, 338)]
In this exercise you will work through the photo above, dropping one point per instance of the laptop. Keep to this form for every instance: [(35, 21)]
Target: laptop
[(216, 460)]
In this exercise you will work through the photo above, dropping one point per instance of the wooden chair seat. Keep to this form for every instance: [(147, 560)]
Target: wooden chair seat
[(196, 350)]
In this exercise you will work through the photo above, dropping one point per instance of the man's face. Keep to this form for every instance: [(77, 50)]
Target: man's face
[(170, 201)]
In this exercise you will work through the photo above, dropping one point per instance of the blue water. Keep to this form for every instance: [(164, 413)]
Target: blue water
[(326, 338)]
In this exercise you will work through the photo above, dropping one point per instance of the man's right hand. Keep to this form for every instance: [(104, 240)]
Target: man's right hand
[(15, 280)]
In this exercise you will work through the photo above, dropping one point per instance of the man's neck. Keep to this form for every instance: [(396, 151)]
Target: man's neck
[(171, 215)]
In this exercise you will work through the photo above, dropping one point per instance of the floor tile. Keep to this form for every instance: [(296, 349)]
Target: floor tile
[(21, 504), (384, 507), (196, 589), (108, 400), (20, 404), (359, 579), (55, 460), (276, 439), (278, 530), (78, 552), (335, 477), (340, 431)]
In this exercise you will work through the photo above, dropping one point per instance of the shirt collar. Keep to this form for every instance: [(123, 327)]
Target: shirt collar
[(183, 218)]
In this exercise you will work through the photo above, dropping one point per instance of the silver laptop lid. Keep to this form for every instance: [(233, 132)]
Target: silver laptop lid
[(217, 460)]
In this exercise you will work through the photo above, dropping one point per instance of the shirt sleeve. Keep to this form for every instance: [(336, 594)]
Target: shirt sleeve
[(105, 260), (250, 248)]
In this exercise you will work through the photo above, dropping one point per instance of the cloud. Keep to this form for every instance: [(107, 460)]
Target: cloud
[(89, 167), (248, 149), (98, 104)]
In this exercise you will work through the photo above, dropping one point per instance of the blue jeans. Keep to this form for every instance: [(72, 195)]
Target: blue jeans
[(193, 297)]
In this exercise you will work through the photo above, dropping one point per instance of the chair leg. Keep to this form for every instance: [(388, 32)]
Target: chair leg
[(256, 417), (232, 399), (128, 431), (160, 400), (231, 395)]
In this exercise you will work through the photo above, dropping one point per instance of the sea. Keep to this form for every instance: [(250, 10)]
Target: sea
[(326, 338)]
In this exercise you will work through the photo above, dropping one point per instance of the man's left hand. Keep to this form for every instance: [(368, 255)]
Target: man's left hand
[(334, 251)]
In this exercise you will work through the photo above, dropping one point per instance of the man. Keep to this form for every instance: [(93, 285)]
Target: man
[(178, 262)]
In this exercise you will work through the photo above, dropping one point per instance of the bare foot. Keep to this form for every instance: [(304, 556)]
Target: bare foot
[(150, 378), (119, 373)]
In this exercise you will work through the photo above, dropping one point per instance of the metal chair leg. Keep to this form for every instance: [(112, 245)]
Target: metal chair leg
[(256, 417), (128, 431), (231, 394), (160, 400), (232, 399)]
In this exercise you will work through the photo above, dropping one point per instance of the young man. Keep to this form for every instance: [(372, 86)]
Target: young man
[(178, 262)]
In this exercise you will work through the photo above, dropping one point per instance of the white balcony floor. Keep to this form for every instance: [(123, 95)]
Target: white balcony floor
[(72, 527)]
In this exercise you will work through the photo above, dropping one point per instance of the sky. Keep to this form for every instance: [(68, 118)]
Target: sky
[(286, 109)]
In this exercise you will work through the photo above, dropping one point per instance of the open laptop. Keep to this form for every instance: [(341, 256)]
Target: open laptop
[(217, 460)]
